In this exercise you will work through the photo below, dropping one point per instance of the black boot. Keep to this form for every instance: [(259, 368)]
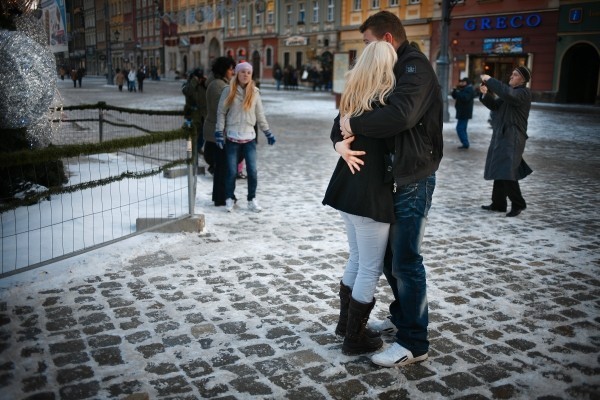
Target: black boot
[(345, 294), (340, 329), (356, 341)]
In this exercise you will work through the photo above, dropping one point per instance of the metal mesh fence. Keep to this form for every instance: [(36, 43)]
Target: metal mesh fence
[(63, 206)]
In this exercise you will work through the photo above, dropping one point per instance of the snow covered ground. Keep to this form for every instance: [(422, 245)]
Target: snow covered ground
[(513, 301)]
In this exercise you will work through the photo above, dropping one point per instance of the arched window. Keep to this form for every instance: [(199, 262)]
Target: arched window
[(269, 57)]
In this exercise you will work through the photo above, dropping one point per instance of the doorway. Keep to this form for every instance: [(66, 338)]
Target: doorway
[(497, 67), (256, 72), (579, 75)]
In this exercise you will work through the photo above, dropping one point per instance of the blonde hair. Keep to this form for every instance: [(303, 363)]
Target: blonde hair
[(248, 94), (370, 80)]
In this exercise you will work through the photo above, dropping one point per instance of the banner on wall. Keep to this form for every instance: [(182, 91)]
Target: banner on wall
[(55, 23), (503, 45), (341, 65)]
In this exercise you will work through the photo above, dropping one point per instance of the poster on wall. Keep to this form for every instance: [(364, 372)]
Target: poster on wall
[(340, 67), (55, 18), (503, 45)]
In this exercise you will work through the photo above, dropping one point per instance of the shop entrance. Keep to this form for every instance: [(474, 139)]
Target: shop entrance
[(495, 66)]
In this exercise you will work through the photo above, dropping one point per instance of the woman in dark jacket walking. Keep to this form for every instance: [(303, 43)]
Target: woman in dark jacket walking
[(504, 163), (364, 198), (222, 72)]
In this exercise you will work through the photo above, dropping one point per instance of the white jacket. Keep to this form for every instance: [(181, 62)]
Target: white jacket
[(238, 123)]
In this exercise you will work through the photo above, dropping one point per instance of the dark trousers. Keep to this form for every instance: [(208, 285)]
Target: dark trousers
[(220, 174), (210, 151), (511, 189)]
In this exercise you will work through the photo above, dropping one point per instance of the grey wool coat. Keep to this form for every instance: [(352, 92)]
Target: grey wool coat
[(510, 110)]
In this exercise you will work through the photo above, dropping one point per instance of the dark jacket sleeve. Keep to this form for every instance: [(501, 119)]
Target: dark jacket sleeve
[(510, 95), (336, 134), (490, 101), (406, 105)]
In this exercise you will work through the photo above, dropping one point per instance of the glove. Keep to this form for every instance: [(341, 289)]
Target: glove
[(220, 139), (270, 138)]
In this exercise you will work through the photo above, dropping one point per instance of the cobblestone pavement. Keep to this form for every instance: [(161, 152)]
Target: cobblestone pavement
[(247, 308)]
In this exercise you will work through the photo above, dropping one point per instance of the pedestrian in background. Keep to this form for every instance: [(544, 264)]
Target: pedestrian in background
[(278, 75), (131, 76), (74, 77), (194, 90), (120, 79), (364, 199), (504, 163), (80, 74), (464, 95), (240, 109), (141, 75), (221, 73), (414, 119)]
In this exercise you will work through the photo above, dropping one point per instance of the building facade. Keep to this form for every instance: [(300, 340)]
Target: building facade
[(494, 37), (559, 40), (416, 16), (577, 63)]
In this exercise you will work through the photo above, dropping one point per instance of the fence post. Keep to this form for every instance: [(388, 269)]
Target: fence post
[(100, 123), (191, 191)]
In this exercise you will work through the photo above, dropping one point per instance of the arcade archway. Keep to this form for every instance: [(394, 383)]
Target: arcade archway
[(579, 75)]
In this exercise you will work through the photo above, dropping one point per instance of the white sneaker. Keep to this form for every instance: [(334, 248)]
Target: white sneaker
[(386, 327), (229, 205), (253, 206), (396, 356)]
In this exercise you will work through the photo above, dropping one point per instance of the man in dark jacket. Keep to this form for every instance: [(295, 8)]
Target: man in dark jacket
[(195, 105), (413, 117), (463, 94), (504, 163)]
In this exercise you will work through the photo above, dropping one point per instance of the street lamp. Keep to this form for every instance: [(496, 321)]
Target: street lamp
[(139, 58), (109, 67), (442, 61)]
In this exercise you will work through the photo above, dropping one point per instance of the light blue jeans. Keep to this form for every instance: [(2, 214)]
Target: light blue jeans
[(367, 241)]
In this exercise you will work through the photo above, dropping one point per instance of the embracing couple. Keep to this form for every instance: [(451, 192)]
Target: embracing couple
[(389, 136)]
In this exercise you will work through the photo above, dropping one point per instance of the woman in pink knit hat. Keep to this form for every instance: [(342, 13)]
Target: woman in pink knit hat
[(240, 109)]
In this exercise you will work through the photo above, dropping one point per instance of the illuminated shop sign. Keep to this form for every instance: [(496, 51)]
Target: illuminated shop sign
[(503, 22), (503, 45), (575, 15)]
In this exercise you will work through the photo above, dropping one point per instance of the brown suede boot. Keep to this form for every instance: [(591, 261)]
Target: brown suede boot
[(340, 329), (356, 341)]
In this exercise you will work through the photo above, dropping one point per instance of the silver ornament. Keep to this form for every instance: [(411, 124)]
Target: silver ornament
[(27, 80), (32, 27)]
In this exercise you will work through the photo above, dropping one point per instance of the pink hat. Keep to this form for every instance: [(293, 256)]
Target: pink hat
[(243, 66)]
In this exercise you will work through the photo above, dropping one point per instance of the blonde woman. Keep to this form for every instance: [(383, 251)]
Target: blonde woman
[(364, 197), (240, 109)]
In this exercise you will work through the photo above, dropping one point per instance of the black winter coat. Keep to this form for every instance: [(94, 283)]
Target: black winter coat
[(464, 102), (511, 110), (413, 117), (368, 192)]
